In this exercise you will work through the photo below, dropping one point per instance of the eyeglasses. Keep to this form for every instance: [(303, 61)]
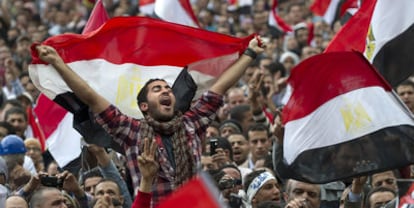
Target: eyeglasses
[(228, 183)]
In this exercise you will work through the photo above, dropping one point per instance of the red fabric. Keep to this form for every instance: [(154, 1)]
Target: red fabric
[(142, 200), (352, 36), (281, 24), (37, 130), (151, 35), (193, 194), (97, 18), (49, 114)]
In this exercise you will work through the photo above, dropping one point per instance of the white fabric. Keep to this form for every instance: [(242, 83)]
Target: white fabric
[(64, 143), (172, 11), (29, 165), (389, 20)]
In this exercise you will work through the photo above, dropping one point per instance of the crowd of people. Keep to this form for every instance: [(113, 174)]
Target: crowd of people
[(230, 132)]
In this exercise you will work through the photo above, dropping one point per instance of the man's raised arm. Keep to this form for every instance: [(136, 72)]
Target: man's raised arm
[(82, 90), (235, 71)]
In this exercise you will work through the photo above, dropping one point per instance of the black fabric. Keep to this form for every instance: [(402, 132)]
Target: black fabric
[(395, 59), (84, 122), (184, 89), (386, 149), (166, 141)]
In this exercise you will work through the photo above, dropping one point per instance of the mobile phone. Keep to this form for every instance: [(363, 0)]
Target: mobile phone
[(51, 181), (213, 145)]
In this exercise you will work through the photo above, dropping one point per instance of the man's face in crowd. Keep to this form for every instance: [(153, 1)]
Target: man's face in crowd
[(19, 122), (240, 148), (259, 144), (207, 163), (378, 199), (311, 193), (406, 93), (268, 192), (53, 199), (111, 189), (385, 179), (236, 97), (90, 184), (161, 101)]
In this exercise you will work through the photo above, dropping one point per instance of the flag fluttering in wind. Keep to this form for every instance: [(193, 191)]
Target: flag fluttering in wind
[(176, 11), (332, 10), (343, 120), (276, 21), (63, 141), (124, 53), (198, 192), (384, 32)]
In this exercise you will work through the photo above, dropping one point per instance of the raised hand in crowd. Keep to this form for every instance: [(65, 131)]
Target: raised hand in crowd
[(148, 165)]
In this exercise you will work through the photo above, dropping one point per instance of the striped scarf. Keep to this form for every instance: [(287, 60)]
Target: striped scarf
[(182, 154)]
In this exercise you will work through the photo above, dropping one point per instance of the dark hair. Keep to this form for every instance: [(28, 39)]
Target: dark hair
[(237, 112), (13, 102), (94, 172), (258, 127), (248, 179), (103, 180), (232, 166), (268, 204), (375, 190), (10, 129), (142, 94), (15, 110), (406, 82), (225, 145), (231, 122)]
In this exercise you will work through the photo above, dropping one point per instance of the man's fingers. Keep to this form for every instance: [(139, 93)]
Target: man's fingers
[(153, 149), (146, 146)]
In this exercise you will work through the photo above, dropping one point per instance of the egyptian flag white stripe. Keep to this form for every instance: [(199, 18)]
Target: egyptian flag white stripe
[(176, 11), (391, 39), (340, 102), (147, 6)]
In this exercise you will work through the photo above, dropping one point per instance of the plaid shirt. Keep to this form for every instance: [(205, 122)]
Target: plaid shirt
[(125, 131)]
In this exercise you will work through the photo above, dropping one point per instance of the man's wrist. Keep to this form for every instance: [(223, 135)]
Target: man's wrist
[(250, 52)]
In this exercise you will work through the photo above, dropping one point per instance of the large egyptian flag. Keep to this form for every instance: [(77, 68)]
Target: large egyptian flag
[(176, 11), (332, 10), (123, 54), (343, 120), (385, 30), (276, 21)]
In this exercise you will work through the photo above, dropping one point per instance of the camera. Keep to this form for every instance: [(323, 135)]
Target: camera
[(213, 145), (235, 201), (51, 181)]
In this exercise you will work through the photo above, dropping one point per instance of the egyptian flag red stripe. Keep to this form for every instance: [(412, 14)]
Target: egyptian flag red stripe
[(332, 10), (335, 123), (276, 21), (199, 192)]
